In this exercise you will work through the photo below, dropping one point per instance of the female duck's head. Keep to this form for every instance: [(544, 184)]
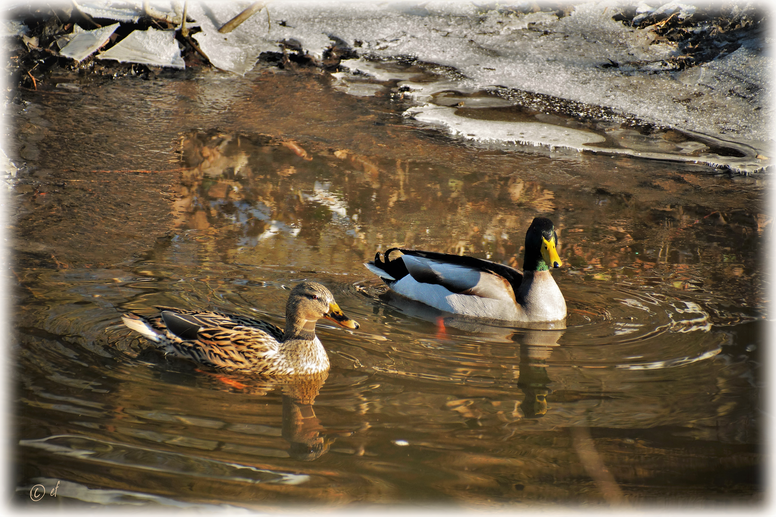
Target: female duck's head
[(541, 243), (310, 301)]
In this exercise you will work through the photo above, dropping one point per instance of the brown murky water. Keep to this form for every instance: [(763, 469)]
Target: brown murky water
[(220, 192)]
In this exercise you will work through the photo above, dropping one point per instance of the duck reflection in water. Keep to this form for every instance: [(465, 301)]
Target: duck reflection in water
[(307, 438), (535, 348), (302, 430), (535, 344)]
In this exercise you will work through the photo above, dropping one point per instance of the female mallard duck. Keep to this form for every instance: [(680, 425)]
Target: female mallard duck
[(474, 287), (238, 343)]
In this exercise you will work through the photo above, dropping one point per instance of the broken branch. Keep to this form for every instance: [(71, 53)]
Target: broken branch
[(237, 20)]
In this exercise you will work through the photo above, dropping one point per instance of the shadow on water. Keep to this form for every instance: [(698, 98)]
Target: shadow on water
[(649, 394)]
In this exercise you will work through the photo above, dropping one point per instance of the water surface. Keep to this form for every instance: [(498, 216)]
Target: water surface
[(217, 192)]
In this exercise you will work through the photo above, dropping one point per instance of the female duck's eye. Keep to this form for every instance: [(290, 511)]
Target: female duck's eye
[(312, 296)]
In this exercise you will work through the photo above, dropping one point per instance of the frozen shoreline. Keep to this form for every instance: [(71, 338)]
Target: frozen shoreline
[(562, 57), (583, 54)]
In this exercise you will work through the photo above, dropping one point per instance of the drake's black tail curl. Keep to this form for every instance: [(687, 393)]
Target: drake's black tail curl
[(394, 268)]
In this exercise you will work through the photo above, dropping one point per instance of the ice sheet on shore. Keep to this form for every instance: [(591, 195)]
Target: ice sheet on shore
[(81, 44), (567, 57), (124, 13), (149, 47), (744, 159), (238, 50), (525, 133)]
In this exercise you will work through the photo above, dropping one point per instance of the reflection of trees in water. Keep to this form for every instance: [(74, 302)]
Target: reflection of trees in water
[(250, 190), (680, 247)]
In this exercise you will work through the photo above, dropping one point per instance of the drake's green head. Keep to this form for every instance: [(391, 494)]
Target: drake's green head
[(541, 243)]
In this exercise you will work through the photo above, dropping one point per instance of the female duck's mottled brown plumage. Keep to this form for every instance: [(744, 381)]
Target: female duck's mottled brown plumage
[(238, 343)]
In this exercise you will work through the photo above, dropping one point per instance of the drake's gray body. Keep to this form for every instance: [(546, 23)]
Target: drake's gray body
[(480, 288)]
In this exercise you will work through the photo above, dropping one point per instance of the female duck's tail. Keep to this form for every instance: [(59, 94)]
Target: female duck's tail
[(140, 326)]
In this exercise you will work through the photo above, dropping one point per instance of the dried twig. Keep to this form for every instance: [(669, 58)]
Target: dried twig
[(184, 29), (34, 82), (196, 47), (85, 16), (237, 20)]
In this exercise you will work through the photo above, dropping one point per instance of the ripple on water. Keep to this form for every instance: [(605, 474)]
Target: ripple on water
[(637, 329), (102, 452), (607, 327)]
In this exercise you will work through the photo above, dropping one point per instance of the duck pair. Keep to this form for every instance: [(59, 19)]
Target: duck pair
[(465, 286)]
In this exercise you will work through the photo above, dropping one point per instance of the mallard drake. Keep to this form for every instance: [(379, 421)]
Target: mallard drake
[(239, 343), (480, 288)]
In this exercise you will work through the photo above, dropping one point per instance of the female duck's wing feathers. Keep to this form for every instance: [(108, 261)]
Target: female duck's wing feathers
[(457, 274), (211, 338), (194, 324)]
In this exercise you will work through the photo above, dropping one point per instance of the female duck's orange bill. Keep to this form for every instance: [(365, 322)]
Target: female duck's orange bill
[(336, 315)]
